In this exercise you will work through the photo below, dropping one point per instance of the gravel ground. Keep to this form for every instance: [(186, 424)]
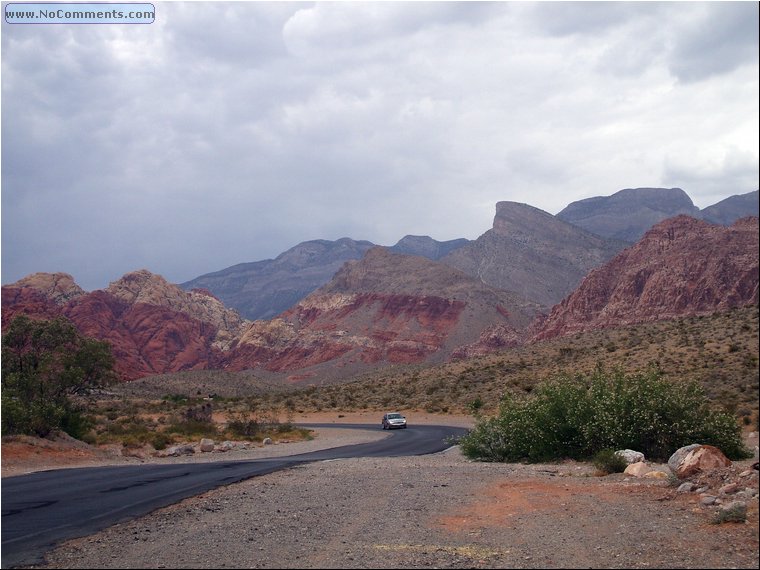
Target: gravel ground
[(437, 511)]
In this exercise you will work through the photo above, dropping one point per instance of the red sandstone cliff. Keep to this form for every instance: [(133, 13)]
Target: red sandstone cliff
[(681, 267), (153, 326)]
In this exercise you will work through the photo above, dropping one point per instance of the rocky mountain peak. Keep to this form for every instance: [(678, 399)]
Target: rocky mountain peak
[(532, 253), (142, 286), (515, 218), (60, 288), (147, 288), (629, 213)]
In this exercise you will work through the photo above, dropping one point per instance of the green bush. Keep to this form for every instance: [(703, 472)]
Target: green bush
[(607, 461), (576, 417)]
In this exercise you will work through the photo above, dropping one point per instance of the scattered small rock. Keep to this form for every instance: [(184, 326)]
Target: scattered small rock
[(686, 487)]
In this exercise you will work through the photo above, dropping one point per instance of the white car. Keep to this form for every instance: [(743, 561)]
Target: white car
[(394, 420)]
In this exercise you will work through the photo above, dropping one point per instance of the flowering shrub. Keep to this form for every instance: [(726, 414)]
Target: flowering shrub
[(577, 416)]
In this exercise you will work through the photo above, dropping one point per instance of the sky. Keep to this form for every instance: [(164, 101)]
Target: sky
[(228, 132)]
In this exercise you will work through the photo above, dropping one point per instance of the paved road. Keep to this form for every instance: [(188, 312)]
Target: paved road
[(41, 509)]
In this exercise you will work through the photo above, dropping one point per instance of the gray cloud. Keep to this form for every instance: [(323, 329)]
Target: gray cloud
[(229, 132), (717, 39)]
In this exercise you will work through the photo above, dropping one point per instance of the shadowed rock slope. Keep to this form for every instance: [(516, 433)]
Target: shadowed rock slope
[(532, 253), (264, 289), (727, 211), (681, 267)]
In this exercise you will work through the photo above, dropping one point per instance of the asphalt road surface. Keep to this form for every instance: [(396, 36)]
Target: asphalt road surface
[(41, 509)]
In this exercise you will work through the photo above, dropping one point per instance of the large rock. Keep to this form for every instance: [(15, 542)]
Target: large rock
[(696, 458), (630, 455), (638, 469)]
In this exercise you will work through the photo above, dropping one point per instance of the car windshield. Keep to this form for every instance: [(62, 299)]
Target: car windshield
[(394, 416)]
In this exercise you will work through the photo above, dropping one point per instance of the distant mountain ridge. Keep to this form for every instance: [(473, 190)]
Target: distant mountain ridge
[(384, 308), (733, 208), (264, 289), (426, 246), (628, 214)]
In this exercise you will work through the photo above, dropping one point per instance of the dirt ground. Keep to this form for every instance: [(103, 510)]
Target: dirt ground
[(440, 511)]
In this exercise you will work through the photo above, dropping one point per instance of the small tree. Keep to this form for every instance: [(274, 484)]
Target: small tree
[(48, 372)]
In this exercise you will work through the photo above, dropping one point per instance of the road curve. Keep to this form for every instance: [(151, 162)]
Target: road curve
[(41, 509)]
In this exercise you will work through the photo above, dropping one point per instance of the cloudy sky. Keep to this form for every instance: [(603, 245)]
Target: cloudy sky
[(229, 132)]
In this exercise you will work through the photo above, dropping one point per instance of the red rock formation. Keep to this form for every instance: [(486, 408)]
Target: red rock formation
[(385, 308), (494, 338), (681, 267), (27, 301), (153, 326), (145, 339)]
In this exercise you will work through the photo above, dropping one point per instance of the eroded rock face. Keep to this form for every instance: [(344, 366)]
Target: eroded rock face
[(146, 339), (144, 287), (152, 326), (27, 301), (492, 339), (681, 267)]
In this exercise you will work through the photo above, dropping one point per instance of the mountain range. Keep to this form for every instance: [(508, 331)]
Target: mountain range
[(264, 289), (530, 277)]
